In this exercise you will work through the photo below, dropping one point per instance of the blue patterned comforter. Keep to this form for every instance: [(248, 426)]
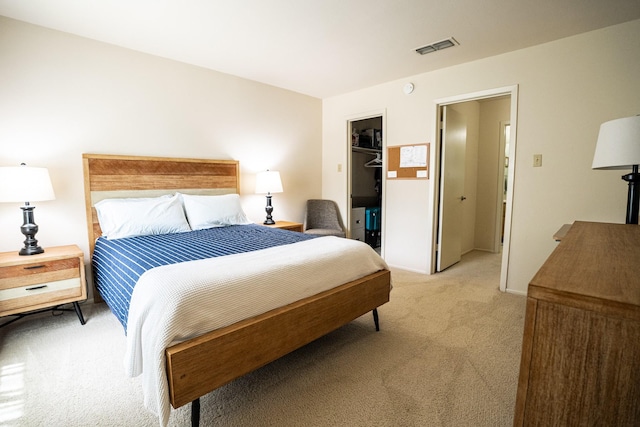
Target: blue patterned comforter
[(119, 263)]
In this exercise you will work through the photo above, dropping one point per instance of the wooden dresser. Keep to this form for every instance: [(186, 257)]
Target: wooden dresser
[(581, 348)]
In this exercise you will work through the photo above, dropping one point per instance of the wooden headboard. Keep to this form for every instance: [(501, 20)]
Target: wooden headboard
[(110, 176)]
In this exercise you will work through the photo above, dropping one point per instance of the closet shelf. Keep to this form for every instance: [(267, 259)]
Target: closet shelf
[(366, 150)]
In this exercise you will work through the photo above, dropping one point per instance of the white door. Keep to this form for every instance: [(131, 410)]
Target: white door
[(452, 166)]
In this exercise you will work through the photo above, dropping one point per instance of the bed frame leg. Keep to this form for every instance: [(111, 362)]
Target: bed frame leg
[(195, 413), (375, 319)]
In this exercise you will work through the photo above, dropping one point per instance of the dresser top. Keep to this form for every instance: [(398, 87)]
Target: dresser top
[(595, 260)]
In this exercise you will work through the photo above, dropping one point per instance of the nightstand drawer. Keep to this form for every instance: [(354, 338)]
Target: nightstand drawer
[(43, 292), (36, 282), (17, 276)]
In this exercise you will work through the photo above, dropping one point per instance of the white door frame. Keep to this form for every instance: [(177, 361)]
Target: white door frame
[(511, 91), (500, 184)]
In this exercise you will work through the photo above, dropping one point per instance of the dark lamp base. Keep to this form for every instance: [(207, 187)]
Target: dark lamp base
[(29, 229), (29, 250), (269, 209), (633, 197)]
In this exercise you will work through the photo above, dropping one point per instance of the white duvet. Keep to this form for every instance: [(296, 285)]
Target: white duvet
[(174, 303)]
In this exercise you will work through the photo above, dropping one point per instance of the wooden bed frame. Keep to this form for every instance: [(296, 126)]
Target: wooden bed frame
[(200, 365)]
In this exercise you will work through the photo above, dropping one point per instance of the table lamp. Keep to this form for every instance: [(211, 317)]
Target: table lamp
[(22, 183), (618, 147), (268, 182)]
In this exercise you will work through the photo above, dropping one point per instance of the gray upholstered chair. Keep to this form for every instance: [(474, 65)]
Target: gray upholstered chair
[(323, 218)]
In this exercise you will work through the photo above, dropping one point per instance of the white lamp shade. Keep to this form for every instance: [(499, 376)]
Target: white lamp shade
[(268, 182), (25, 184), (618, 144)]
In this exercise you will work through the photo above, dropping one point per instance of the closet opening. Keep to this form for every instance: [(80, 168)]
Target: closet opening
[(366, 189)]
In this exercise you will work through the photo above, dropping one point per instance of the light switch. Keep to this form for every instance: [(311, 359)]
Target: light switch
[(537, 160), (339, 167)]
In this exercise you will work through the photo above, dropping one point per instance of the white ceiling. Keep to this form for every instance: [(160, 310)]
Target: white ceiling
[(322, 47)]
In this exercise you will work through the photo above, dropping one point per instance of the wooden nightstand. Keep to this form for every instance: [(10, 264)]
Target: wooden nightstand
[(33, 283), (287, 225)]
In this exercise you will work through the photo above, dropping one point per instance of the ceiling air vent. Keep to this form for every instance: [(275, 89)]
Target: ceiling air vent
[(433, 47)]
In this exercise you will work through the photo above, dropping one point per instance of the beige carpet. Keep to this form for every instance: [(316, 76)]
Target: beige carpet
[(447, 355)]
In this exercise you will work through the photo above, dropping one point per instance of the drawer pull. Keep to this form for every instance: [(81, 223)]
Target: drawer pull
[(33, 288), (33, 267)]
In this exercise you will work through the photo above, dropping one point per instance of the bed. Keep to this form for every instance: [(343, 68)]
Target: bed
[(196, 364)]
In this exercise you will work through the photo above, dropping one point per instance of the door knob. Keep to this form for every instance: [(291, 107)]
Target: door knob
[(462, 198)]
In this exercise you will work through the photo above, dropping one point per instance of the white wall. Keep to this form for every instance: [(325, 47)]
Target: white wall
[(62, 95), (566, 89)]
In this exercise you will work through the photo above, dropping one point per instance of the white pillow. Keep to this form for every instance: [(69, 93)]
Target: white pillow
[(120, 218), (213, 211)]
